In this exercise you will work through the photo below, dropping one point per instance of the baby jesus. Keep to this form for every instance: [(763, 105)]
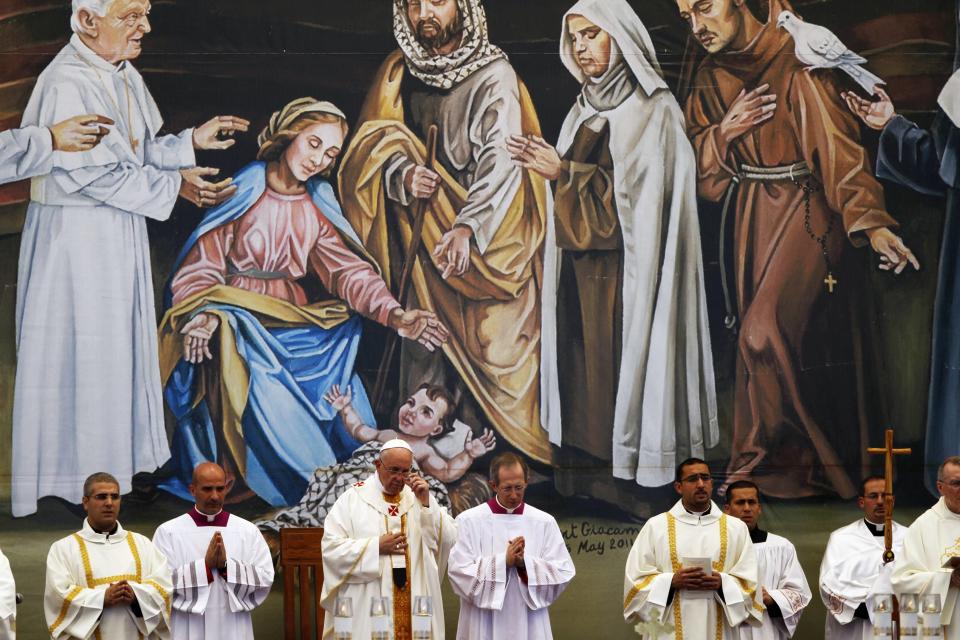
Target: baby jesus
[(425, 415)]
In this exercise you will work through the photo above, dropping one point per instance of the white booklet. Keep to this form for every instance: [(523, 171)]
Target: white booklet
[(705, 565)]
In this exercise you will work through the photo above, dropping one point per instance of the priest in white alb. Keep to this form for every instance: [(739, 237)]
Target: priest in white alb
[(86, 329), (783, 586), (221, 565), (510, 562), (852, 571), (386, 536), (8, 601), (29, 151), (692, 571), (930, 559), (103, 581)]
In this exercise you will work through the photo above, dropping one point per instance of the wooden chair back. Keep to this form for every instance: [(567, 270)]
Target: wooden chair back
[(301, 558)]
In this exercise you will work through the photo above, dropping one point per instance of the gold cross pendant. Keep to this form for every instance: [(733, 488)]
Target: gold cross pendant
[(830, 282)]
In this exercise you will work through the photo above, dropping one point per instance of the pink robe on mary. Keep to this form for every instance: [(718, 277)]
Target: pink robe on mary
[(273, 245)]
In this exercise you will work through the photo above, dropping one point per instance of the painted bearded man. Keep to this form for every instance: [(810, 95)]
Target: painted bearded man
[(480, 266)]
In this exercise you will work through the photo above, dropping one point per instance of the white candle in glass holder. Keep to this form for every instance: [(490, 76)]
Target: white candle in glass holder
[(422, 618), (883, 616), (909, 604), (379, 618), (930, 620), (343, 618)]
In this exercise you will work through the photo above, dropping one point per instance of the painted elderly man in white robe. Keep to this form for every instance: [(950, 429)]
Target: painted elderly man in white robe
[(623, 238), (8, 601), (783, 586), (87, 366), (692, 571), (510, 562), (221, 565), (386, 537), (930, 559), (852, 571), (103, 581)]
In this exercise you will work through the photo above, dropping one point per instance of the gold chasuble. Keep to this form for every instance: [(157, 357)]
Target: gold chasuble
[(492, 310)]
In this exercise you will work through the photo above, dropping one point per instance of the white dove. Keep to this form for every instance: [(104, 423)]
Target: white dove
[(819, 48)]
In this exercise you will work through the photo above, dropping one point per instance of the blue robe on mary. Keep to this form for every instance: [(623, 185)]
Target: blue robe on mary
[(929, 162), (289, 430)]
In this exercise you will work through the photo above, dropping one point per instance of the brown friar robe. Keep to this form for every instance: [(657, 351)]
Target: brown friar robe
[(798, 428), (492, 310)]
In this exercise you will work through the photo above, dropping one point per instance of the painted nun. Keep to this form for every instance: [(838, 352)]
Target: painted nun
[(623, 275), (928, 162)]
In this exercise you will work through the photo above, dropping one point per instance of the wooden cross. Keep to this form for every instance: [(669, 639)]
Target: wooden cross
[(888, 452), (830, 282)]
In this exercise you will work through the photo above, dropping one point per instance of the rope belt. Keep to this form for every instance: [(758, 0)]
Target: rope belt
[(748, 173)]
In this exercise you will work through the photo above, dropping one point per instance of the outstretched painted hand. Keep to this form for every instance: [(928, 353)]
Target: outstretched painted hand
[(339, 401), (419, 325), (476, 447), (196, 337)]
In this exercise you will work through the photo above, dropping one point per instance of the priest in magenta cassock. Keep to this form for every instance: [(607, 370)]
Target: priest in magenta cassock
[(930, 559), (692, 571), (852, 569), (386, 537), (221, 565), (105, 582), (510, 561)]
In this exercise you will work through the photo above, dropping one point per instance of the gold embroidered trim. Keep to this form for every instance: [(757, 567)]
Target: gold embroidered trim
[(637, 588), (402, 609), (675, 563), (87, 570), (719, 633), (721, 563), (66, 607), (162, 592), (136, 555)]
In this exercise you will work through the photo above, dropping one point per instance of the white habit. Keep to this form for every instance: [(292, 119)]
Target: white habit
[(81, 566), (666, 406), (25, 153), (782, 576), (8, 601), (931, 540), (353, 566), (87, 366), (497, 602), (207, 604), (851, 573), (661, 548)]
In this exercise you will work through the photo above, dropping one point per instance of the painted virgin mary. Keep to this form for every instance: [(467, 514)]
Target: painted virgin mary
[(246, 351)]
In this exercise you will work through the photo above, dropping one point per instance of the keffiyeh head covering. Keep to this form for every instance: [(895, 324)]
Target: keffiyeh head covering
[(447, 71), (283, 119)]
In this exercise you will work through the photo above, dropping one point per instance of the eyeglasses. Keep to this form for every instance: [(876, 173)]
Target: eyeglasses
[(397, 471), (102, 497), (953, 484)]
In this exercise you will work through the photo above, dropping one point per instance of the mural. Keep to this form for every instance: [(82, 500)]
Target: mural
[(606, 235)]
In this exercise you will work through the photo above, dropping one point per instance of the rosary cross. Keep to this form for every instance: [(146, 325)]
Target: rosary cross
[(831, 282)]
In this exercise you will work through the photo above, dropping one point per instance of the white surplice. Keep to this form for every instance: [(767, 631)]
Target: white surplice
[(353, 566), (25, 153), (211, 605), (851, 573), (660, 549), (497, 602), (8, 601), (782, 576), (666, 405), (81, 566), (930, 541), (87, 365)]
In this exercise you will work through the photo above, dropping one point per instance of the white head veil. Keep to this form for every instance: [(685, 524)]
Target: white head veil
[(624, 26)]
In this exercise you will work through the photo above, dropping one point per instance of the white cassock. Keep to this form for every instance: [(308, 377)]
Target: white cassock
[(931, 540), (659, 551), (81, 566), (8, 601), (211, 605), (851, 573), (497, 602), (25, 153), (354, 568), (782, 576), (87, 366)]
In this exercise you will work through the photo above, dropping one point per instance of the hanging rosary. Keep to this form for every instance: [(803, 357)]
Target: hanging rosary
[(821, 240)]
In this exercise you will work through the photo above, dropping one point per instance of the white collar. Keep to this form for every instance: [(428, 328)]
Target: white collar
[(944, 511), (208, 517), (88, 534), (949, 99), (507, 509), (92, 58)]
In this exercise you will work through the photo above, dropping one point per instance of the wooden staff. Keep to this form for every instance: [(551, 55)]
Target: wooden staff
[(416, 239)]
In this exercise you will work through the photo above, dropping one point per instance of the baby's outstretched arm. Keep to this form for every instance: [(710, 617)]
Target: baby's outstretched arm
[(342, 403), (452, 469)]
